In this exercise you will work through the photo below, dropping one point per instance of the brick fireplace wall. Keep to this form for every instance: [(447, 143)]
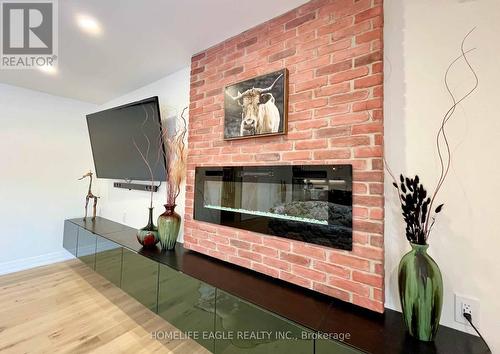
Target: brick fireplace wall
[(333, 52)]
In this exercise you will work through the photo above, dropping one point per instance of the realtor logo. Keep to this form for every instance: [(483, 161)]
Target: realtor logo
[(28, 34)]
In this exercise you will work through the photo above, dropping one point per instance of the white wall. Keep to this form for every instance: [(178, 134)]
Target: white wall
[(421, 38), (44, 149), (131, 207)]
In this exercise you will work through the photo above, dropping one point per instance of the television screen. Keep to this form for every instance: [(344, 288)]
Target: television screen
[(120, 135)]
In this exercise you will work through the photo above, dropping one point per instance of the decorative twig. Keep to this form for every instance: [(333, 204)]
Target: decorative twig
[(445, 165), (145, 157), (416, 205)]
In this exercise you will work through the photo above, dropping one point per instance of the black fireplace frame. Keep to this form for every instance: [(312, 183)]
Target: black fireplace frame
[(337, 234)]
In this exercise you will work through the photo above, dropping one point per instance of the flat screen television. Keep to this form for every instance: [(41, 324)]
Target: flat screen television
[(112, 136)]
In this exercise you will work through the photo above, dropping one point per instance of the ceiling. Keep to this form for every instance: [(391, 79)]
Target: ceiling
[(140, 42)]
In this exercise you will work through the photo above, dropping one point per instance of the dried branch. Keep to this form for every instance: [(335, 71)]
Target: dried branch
[(145, 156), (176, 154), (445, 163), (416, 205)]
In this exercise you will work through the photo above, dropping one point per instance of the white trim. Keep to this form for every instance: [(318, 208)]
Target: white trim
[(32, 262)]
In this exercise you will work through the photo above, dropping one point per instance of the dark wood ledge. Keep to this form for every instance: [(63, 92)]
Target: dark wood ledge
[(369, 331)]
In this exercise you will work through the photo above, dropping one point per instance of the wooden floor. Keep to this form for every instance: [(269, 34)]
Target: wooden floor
[(67, 308)]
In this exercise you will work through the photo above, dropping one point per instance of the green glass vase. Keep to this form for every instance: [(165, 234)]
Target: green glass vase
[(148, 235), (421, 292), (169, 224)]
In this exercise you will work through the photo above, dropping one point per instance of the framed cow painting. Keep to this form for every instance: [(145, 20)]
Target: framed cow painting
[(257, 106)]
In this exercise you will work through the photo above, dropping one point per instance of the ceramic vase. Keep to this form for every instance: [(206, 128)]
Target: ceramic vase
[(148, 235), (421, 292), (169, 224)]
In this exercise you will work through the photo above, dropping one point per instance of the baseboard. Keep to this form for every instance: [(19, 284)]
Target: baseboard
[(32, 262)]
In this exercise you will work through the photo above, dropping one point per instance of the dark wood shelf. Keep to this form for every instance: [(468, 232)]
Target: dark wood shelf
[(369, 331)]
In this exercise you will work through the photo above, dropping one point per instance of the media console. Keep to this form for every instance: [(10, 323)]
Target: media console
[(236, 310)]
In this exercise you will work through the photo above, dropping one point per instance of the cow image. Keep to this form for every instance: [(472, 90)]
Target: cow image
[(259, 112)]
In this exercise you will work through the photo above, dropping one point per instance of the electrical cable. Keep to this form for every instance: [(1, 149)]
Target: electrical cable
[(468, 317)]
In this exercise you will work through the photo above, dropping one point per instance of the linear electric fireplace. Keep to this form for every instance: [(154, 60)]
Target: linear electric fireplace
[(308, 203)]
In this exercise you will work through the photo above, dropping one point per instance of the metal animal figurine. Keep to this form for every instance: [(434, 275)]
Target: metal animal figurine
[(89, 195)]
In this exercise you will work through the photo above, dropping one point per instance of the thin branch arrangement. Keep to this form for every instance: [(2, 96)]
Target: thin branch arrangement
[(176, 156), (145, 155), (417, 205)]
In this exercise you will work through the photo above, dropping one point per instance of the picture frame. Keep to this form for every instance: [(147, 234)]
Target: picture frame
[(257, 107)]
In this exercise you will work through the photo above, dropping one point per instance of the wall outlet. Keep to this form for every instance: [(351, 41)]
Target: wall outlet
[(467, 305)]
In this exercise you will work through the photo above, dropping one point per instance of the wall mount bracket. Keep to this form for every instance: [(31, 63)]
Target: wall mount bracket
[(136, 186)]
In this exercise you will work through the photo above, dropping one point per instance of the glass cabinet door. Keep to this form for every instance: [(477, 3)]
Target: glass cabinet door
[(249, 329), (140, 279), (108, 260), (70, 239), (325, 346), (86, 247), (188, 304)]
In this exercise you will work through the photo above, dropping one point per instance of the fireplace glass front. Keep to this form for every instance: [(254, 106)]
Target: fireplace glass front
[(307, 203)]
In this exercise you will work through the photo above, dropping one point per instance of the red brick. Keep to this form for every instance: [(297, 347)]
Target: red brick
[(267, 157), (369, 176), (374, 201), (332, 269), (268, 251), (276, 263), (376, 188), (239, 261), (250, 255), (348, 97), (334, 68), (376, 240), (368, 81), (272, 272), (282, 55), (294, 258), (367, 128), (335, 292), (295, 279), (296, 155), (332, 154), (368, 303), (350, 286), (318, 102), (367, 278), (349, 261), (311, 84), (278, 244), (336, 26), (332, 89), (308, 273), (350, 141), (249, 237), (368, 14), (332, 132), (311, 144), (350, 118), (366, 105), (240, 244), (377, 164), (246, 43), (368, 59), (375, 151), (331, 110), (374, 253), (335, 46), (309, 251), (300, 20), (349, 75), (369, 36)]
